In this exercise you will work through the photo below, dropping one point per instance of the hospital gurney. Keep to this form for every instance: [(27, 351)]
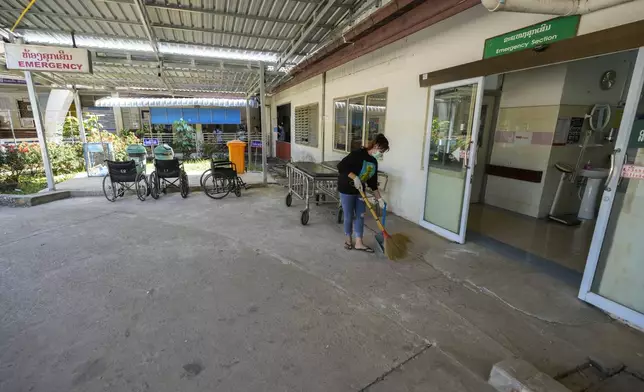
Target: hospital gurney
[(307, 180)]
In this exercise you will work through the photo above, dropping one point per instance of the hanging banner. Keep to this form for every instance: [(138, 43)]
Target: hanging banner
[(47, 58), (544, 33)]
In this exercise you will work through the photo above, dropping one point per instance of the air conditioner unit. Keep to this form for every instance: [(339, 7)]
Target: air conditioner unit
[(27, 123)]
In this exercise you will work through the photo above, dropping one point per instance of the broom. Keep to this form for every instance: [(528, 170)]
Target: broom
[(395, 244)]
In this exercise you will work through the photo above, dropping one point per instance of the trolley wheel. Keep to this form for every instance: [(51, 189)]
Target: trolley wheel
[(154, 185), (289, 200), (304, 219), (108, 189), (340, 215), (217, 186), (183, 184), (142, 188), (203, 177)]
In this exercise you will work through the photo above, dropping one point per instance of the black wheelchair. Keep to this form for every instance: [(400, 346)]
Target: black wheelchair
[(123, 176), (168, 174), (221, 179)]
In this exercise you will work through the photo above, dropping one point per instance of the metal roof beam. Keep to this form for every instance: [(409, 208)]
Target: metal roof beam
[(107, 50), (68, 16), (168, 65), (314, 20), (173, 7), (211, 31), (223, 47), (138, 6)]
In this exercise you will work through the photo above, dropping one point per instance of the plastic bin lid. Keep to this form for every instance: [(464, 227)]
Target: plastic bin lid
[(236, 142), (135, 149), (161, 149)]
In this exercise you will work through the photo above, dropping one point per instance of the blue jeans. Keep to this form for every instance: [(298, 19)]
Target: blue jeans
[(353, 208)]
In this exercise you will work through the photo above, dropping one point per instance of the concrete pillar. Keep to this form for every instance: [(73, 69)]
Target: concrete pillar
[(58, 103), (265, 123), (79, 116), (118, 115), (40, 129)]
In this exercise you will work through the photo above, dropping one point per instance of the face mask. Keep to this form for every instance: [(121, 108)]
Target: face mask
[(377, 154)]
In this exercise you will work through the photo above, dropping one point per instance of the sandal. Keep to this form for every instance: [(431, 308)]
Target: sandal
[(348, 246), (366, 249)]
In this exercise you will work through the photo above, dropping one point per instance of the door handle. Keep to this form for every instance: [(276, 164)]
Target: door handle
[(466, 155), (611, 171)]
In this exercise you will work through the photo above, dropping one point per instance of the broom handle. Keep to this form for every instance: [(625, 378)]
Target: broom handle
[(380, 226)]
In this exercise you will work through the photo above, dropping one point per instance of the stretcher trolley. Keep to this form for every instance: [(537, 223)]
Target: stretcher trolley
[(308, 180)]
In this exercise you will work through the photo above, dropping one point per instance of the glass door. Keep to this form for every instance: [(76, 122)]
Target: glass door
[(614, 274), (453, 125)]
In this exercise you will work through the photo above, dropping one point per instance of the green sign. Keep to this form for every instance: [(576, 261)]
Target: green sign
[(637, 135), (532, 36)]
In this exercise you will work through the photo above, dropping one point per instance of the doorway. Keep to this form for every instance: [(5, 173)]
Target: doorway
[(515, 151), (283, 142)]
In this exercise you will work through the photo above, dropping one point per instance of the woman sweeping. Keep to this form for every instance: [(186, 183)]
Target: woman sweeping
[(356, 169)]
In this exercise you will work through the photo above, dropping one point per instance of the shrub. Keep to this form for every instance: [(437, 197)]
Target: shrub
[(66, 158), (13, 163), (185, 137), (70, 128)]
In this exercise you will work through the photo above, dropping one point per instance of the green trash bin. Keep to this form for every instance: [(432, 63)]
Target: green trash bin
[(163, 152), (138, 154)]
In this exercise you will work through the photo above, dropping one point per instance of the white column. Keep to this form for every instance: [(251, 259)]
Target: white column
[(118, 115), (79, 115), (40, 130), (264, 120)]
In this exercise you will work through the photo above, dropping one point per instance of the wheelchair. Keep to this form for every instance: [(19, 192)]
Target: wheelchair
[(221, 179), (123, 176), (168, 174)]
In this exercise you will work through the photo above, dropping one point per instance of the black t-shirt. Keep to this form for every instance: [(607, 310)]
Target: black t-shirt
[(360, 163)]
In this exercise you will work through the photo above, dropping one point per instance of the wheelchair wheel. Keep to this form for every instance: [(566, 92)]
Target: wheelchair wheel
[(217, 186), (120, 190), (237, 191), (154, 185), (109, 189), (142, 189), (183, 184), (203, 176)]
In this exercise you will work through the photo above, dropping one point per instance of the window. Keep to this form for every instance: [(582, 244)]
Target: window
[(355, 126), (306, 125)]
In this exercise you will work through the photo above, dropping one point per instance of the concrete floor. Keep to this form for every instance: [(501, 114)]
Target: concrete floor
[(235, 295)]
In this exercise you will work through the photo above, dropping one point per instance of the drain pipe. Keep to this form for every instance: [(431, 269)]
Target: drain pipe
[(551, 7)]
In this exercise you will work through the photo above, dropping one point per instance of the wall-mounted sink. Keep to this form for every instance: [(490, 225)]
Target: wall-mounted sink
[(594, 173)]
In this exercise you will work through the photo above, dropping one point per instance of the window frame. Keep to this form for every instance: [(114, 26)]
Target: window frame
[(346, 98), (316, 119)]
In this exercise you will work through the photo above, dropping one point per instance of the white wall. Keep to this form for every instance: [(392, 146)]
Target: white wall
[(396, 67), (306, 93)]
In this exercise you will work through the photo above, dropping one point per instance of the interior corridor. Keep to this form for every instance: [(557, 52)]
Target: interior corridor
[(565, 245)]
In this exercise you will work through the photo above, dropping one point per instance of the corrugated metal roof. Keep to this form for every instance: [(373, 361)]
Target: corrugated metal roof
[(210, 44)]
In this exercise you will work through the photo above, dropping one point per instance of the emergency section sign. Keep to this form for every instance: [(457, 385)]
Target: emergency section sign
[(47, 58), (532, 36)]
